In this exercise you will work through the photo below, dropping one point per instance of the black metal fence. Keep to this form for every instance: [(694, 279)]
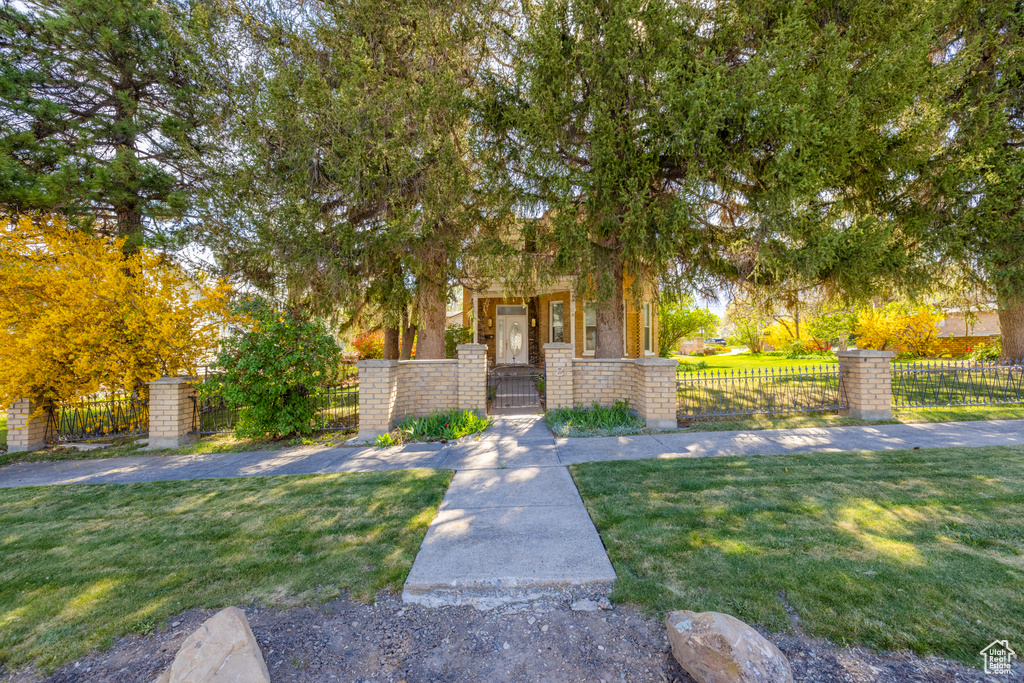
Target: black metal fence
[(336, 407), (96, 418), (512, 388), (726, 393), (957, 383)]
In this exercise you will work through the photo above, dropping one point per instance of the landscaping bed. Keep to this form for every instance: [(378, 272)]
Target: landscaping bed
[(915, 550), (345, 640), (86, 564), (597, 420)]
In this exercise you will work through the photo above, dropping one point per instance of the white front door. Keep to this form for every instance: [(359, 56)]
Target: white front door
[(511, 335)]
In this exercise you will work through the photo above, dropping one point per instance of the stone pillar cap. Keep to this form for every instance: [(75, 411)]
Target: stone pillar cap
[(376, 363), (557, 345), (470, 347), (864, 353)]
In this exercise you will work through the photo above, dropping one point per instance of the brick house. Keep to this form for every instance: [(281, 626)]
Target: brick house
[(515, 328), (956, 334)]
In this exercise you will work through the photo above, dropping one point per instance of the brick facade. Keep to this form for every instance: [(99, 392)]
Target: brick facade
[(170, 412), (25, 433), (867, 379)]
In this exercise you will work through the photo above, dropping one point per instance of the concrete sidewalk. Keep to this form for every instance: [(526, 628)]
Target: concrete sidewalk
[(510, 527), (520, 446)]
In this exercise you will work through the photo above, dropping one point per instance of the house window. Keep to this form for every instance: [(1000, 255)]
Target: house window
[(590, 328), (647, 329), (557, 326)]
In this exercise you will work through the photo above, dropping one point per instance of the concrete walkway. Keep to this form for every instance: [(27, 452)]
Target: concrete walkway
[(510, 527), (514, 450)]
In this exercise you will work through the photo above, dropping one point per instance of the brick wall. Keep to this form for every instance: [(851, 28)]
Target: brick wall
[(957, 346), (25, 433), (170, 412), (425, 386), (378, 391), (558, 383), (649, 384), (472, 378), (867, 380)]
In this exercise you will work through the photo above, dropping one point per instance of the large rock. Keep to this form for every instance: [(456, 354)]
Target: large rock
[(717, 648), (222, 650)]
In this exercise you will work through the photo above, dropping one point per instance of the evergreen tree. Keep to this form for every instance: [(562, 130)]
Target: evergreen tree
[(970, 211), (353, 184), (753, 140), (101, 112)]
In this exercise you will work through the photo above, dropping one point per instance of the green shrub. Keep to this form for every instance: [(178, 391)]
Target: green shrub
[(598, 420), (447, 426), (985, 351), (272, 370), (455, 335)]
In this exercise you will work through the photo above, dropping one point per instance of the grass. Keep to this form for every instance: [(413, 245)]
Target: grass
[(3, 431), (748, 361), (904, 416), (86, 564), (919, 550), (216, 443), (597, 420)]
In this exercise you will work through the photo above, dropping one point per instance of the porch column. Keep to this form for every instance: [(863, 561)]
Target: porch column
[(378, 390), (25, 433), (558, 375), (867, 378), (474, 319), (473, 378)]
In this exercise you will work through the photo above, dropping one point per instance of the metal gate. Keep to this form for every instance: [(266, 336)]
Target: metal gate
[(515, 388)]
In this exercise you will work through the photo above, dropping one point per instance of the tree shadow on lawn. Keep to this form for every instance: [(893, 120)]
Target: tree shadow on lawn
[(919, 550), (86, 564)]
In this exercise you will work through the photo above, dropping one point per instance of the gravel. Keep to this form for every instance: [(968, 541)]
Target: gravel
[(544, 641)]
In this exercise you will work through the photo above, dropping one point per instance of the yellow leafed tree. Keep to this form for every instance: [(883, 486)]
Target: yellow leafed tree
[(898, 327), (77, 317)]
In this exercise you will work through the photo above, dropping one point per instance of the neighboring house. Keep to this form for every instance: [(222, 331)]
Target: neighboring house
[(516, 328), (957, 334)]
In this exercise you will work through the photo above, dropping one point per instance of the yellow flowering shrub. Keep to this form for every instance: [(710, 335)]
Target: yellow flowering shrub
[(899, 328), (76, 317)]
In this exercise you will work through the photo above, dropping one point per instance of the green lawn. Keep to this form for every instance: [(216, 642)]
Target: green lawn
[(3, 431), (921, 550), (747, 361), (85, 564), (215, 443)]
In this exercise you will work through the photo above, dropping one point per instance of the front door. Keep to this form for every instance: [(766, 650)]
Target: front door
[(510, 335)]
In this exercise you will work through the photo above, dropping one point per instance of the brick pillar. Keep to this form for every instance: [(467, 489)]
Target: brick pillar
[(170, 412), (558, 375), (25, 433), (867, 379), (656, 391), (378, 390), (473, 378)]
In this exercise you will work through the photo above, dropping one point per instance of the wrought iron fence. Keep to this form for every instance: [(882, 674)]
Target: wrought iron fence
[(98, 417), (957, 383), (711, 394), (336, 407), (515, 388)]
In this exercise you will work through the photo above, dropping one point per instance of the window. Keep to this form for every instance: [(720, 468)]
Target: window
[(647, 329), (590, 328), (557, 335)]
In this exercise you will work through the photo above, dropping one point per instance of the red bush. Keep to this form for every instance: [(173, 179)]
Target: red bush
[(369, 345)]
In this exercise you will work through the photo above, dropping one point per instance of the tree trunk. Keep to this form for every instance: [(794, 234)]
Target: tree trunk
[(390, 343), (433, 309), (1011, 326), (408, 336), (609, 316)]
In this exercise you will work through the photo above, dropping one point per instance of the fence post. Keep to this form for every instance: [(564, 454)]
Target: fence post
[(558, 375), (656, 391), (473, 378), (867, 378), (378, 389), (25, 433), (170, 412)]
